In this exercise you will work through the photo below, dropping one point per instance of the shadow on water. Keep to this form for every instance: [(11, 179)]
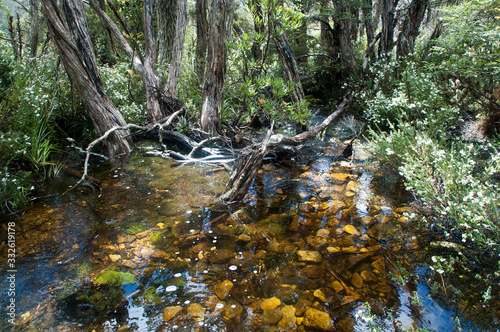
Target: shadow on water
[(316, 246)]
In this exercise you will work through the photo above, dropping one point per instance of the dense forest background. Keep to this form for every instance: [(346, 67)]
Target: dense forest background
[(422, 74)]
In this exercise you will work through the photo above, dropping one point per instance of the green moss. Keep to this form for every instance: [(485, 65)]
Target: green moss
[(115, 277), (157, 237), (136, 228)]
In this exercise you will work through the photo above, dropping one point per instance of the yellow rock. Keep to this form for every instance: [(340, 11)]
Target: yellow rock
[(350, 250), (115, 258), (340, 177), (357, 281), (375, 247), (299, 320), (170, 312), (289, 320), (269, 304), (317, 319), (337, 286), (196, 310), (320, 295), (350, 229), (323, 233), (223, 289), (352, 186), (333, 250)]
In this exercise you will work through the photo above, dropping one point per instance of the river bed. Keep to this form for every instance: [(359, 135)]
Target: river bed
[(320, 244)]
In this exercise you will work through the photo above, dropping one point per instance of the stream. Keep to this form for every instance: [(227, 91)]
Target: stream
[(320, 244)]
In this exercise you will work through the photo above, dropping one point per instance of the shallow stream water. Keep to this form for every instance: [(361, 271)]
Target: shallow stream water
[(315, 246)]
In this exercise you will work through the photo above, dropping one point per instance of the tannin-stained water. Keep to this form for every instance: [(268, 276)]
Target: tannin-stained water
[(313, 247)]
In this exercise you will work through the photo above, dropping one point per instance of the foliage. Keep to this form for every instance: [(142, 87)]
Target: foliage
[(417, 110), (124, 87), (261, 90), (415, 99), (27, 114), (465, 59)]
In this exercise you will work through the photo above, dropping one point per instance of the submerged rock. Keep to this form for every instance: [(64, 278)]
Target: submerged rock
[(220, 256), (223, 289), (232, 309), (271, 303), (350, 229), (272, 316), (318, 320), (289, 321), (309, 256), (170, 312), (196, 310)]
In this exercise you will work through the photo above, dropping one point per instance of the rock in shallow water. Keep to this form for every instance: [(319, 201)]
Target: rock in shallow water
[(170, 312), (223, 289), (309, 256), (318, 320)]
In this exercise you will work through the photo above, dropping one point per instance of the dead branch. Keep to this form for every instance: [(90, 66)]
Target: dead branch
[(248, 163), (280, 139)]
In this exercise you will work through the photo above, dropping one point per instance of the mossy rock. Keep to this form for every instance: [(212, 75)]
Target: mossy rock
[(115, 278)]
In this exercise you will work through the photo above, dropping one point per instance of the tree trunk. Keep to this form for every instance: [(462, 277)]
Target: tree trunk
[(34, 26), (287, 59), (436, 33), (327, 33), (411, 26), (177, 49), (201, 39), (255, 7), (159, 105), (68, 27), (368, 23), (341, 34), (388, 22), (167, 16), (301, 44), (221, 22)]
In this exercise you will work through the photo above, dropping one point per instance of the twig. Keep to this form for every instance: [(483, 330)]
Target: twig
[(200, 145)]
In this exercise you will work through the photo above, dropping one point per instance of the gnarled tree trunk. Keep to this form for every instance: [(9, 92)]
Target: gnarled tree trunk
[(388, 22), (221, 22), (68, 27), (411, 26)]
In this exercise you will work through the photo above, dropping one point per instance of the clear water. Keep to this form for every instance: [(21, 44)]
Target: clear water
[(113, 254)]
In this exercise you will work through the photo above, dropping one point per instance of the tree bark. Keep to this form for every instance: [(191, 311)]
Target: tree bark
[(342, 29), (436, 33), (159, 104), (368, 23), (68, 27), (411, 26), (177, 49), (388, 22), (221, 22), (287, 59), (34, 26), (167, 16), (255, 7), (201, 39)]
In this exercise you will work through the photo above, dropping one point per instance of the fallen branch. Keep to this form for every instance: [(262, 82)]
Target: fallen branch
[(112, 130), (248, 163)]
